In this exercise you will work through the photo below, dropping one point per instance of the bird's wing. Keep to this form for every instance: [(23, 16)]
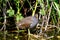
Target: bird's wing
[(25, 23)]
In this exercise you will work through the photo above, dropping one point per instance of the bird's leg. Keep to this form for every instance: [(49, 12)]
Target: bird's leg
[(28, 33), (17, 32), (37, 27)]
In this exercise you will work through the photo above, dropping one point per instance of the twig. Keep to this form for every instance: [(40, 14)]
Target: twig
[(42, 25), (48, 16), (4, 23)]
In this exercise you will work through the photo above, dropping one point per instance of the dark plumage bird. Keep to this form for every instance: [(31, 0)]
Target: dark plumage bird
[(28, 22)]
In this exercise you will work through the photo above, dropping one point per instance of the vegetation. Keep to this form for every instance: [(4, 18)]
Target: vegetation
[(12, 11)]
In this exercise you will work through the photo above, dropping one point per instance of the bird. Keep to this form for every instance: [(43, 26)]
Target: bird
[(28, 22)]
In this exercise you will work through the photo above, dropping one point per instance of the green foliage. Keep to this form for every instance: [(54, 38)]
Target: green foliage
[(38, 1), (19, 17), (56, 6), (42, 11), (17, 3), (1, 18), (45, 5), (18, 14), (10, 12), (53, 16)]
